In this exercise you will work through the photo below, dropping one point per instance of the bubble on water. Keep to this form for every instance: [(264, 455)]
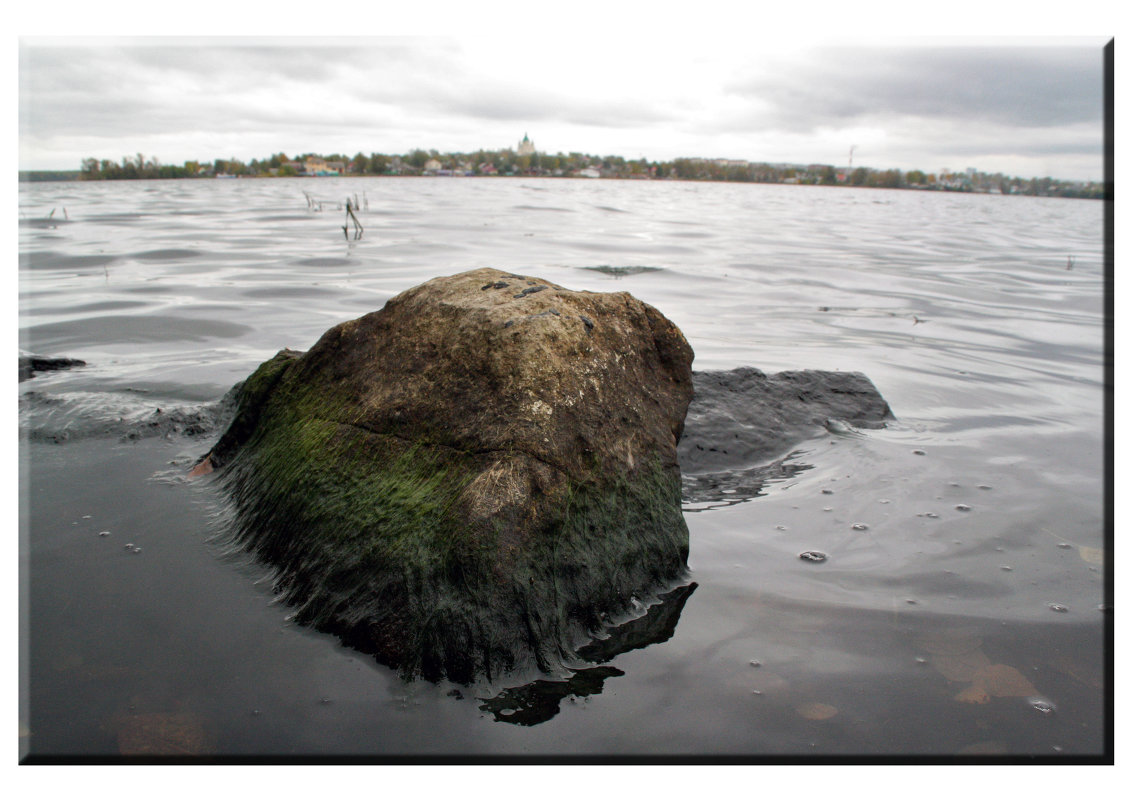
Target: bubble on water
[(86, 517), (984, 486), (781, 528), (921, 660), (1006, 568), (755, 663), (136, 549), (813, 556), (324, 701), (860, 526), (104, 533), (911, 601), (1042, 705), (757, 692), (918, 452), (1054, 607), (1064, 545), (1103, 607), (998, 549), (129, 546), (827, 491), (931, 515), (963, 507), (255, 712), (883, 500)]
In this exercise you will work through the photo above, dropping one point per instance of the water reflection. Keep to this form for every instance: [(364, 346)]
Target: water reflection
[(703, 491), (538, 701)]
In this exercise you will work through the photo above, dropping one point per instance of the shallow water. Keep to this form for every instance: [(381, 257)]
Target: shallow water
[(961, 606)]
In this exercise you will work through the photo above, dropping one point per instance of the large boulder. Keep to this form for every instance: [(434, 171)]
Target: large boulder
[(468, 480)]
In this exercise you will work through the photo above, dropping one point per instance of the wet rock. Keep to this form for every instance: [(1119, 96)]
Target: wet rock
[(742, 417), (30, 366), (458, 496)]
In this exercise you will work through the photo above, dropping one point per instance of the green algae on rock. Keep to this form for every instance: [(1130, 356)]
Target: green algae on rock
[(468, 480)]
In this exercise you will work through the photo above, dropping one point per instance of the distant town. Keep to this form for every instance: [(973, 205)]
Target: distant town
[(526, 160)]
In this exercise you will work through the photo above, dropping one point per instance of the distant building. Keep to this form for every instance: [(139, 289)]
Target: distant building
[(432, 165), (314, 165), (526, 146)]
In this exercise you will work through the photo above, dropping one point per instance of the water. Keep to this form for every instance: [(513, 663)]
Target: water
[(909, 639)]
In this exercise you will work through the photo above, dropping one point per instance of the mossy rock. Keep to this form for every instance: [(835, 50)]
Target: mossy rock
[(466, 481)]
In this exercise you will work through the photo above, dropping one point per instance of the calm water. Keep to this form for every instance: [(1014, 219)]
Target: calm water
[(961, 609)]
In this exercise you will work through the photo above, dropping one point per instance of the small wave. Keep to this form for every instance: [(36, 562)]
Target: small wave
[(167, 254), (49, 260), (138, 328), (42, 222), (701, 491), (324, 261), (619, 272)]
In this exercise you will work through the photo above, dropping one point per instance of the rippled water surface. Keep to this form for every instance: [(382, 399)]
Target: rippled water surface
[(961, 608)]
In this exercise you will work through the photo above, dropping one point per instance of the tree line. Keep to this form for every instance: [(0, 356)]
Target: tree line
[(509, 162)]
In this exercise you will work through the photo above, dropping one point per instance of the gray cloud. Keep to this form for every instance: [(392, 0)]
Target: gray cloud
[(1020, 86), (923, 106)]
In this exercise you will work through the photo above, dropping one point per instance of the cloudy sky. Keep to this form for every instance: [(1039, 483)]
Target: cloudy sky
[(1023, 106)]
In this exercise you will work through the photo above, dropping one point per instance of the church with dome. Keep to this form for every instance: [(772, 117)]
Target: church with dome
[(526, 146)]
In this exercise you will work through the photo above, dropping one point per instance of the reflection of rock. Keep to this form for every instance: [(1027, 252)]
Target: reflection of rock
[(539, 701), (469, 478), (655, 626), (700, 491)]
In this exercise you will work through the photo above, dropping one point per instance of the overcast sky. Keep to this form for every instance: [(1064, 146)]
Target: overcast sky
[(1026, 107)]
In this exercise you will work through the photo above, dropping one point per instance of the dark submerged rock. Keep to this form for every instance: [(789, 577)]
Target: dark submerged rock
[(744, 417), (467, 480), (30, 366)]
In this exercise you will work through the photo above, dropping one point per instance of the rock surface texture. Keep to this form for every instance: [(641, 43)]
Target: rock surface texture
[(744, 416), (743, 425), (468, 480)]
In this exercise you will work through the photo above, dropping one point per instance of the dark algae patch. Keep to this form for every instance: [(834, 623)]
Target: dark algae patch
[(458, 497)]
